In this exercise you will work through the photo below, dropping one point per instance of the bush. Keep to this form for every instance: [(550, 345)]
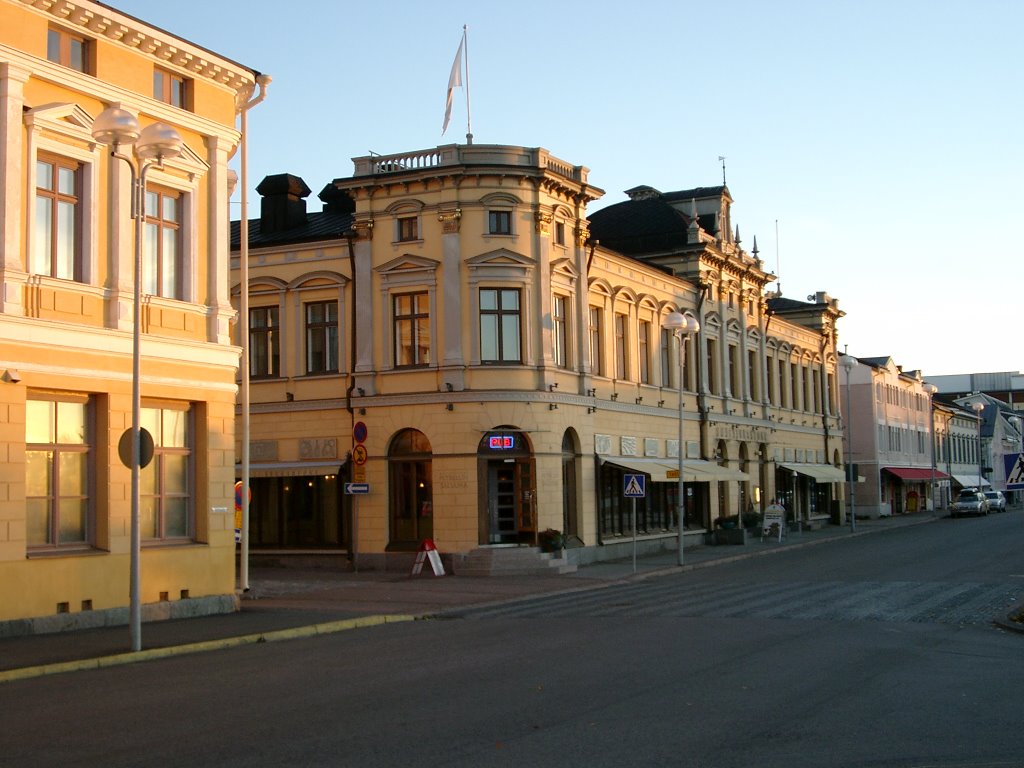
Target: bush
[(551, 540)]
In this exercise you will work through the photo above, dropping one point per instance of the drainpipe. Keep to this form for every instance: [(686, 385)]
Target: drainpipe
[(262, 81)]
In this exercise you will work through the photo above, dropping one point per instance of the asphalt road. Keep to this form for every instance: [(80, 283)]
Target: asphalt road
[(870, 651)]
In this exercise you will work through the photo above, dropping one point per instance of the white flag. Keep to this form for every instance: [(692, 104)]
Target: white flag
[(454, 81)]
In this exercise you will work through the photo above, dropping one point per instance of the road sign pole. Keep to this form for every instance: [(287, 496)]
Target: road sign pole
[(634, 534)]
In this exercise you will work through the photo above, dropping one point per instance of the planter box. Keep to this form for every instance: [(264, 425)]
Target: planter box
[(730, 536)]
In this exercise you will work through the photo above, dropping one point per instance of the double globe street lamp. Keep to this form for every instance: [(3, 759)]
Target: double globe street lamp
[(681, 326), (116, 127)]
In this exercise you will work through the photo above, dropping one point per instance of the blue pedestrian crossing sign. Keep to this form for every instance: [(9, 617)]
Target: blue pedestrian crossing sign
[(1014, 464), (634, 486)]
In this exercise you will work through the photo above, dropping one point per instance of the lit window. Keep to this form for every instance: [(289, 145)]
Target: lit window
[(57, 246), (165, 484), (58, 469), (161, 248), (412, 329)]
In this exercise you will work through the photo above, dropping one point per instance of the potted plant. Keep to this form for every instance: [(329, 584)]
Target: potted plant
[(551, 540)]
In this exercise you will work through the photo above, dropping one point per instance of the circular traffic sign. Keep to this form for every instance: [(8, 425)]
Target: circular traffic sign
[(359, 432), (146, 447), (359, 455)]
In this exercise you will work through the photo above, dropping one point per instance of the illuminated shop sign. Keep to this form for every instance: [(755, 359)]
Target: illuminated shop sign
[(501, 442)]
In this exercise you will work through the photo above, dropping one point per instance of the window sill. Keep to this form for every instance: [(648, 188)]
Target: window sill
[(46, 554)]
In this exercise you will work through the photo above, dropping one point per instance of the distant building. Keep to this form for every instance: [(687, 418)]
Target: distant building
[(891, 439), (1007, 386), (66, 329)]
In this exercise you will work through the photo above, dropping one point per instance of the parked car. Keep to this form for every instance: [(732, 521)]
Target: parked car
[(969, 502), (996, 500)]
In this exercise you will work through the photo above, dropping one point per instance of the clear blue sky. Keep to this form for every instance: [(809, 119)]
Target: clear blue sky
[(881, 139)]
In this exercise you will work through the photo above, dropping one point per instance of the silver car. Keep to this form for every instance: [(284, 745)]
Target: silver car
[(969, 502), (996, 501)]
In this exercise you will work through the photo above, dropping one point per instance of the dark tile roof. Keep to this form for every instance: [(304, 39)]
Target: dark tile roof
[(636, 227), (319, 226), (782, 304)]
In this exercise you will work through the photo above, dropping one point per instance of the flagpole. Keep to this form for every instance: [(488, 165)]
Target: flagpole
[(469, 118)]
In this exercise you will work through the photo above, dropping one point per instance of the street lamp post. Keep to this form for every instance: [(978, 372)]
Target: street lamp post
[(153, 144), (979, 408), (1015, 422), (849, 362), (931, 389), (681, 326)]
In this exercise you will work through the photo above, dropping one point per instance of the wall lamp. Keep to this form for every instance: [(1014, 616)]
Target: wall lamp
[(449, 407), (361, 391), (552, 406), (661, 403), (449, 387), (592, 392), (639, 400), (591, 408), (552, 387), (615, 395)]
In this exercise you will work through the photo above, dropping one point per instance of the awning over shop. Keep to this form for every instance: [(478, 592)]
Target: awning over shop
[(822, 473), (969, 481), (667, 470), (291, 469), (915, 473)]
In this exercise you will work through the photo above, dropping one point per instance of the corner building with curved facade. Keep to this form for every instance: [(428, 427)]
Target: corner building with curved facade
[(505, 357)]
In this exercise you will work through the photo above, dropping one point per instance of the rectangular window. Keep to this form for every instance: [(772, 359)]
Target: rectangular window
[(499, 325), (667, 340), (58, 469), (621, 352), (161, 244), (594, 335), (171, 88), (559, 333), (559, 233), (68, 50), (165, 485), (712, 363), (264, 342), (499, 222), (412, 329), (57, 245), (408, 229), (322, 337), (734, 371), (642, 351)]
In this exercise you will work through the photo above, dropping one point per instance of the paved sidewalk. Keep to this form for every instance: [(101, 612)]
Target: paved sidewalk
[(284, 603)]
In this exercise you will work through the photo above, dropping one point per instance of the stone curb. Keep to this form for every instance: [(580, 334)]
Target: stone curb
[(309, 630)]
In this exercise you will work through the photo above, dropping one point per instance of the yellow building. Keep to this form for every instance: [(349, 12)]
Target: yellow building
[(66, 321), (455, 336)]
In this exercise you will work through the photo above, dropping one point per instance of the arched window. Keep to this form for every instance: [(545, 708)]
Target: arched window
[(411, 506)]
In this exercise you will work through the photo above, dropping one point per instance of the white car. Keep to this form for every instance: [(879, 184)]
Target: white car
[(996, 501)]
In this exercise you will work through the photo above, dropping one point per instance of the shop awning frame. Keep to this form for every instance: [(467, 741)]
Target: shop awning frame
[(916, 473), (292, 469), (969, 481), (822, 473), (664, 470)]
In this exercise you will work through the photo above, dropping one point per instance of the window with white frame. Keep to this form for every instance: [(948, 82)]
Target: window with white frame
[(321, 337), (59, 468), (166, 484)]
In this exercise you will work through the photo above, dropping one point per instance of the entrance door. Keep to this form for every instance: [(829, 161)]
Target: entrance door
[(511, 504), (501, 495)]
